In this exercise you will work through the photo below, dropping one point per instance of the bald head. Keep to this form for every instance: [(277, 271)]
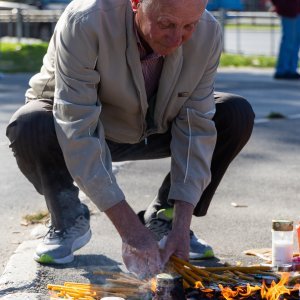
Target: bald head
[(157, 4), (166, 24)]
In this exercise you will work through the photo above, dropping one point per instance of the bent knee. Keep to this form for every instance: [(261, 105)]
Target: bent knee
[(234, 113), (29, 124)]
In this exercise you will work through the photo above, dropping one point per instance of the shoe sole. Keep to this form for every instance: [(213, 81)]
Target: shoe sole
[(78, 243), (208, 254)]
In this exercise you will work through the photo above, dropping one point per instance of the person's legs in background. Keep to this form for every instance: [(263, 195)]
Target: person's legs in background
[(35, 146), (297, 48), (234, 121), (287, 61)]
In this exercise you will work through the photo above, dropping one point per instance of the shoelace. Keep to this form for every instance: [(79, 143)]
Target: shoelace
[(58, 233), (53, 233)]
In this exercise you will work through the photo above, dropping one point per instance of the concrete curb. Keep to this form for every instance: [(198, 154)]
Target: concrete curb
[(20, 272)]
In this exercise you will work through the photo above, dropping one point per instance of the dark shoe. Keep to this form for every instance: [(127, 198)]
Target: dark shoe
[(58, 246), (162, 225), (199, 249), (287, 76), (296, 75)]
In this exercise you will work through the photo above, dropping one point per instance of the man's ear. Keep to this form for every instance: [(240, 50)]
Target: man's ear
[(134, 4)]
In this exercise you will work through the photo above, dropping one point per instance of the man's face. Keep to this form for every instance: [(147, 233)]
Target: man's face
[(166, 24)]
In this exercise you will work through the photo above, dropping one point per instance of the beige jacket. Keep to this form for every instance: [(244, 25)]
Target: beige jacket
[(93, 72)]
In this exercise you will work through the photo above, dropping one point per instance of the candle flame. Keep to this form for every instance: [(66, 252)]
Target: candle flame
[(199, 285), (153, 284), (239, 291), (272, 292), (275, 290)]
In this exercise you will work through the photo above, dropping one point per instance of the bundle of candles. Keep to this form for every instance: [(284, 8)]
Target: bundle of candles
[(117, 284), (196, 276), (185, 277)]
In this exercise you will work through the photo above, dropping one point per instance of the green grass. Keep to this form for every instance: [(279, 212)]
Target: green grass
[(234, 60), (35, 218), (253, 27), (17, 57)]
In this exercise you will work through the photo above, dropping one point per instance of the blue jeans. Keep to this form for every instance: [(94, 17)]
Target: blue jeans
[(289, 47)]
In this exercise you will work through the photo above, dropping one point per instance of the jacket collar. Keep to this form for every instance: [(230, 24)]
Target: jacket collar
[(170, 72)]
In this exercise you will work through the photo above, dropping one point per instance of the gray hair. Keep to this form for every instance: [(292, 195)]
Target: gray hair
[(147, 4)]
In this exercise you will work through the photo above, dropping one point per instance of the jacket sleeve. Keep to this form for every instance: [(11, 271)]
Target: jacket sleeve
[(194, 135), (77, 110)]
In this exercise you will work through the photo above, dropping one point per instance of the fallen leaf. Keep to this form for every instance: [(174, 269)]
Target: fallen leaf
[(238, 205), (15, 242)]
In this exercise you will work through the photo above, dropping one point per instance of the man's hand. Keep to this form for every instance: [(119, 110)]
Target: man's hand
[(140, 250), (178, 240), (141, 255)]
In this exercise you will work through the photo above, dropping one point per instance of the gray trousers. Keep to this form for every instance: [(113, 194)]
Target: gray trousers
[(35, 146)]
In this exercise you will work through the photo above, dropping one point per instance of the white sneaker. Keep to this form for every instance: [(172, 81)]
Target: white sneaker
[(58, 245)]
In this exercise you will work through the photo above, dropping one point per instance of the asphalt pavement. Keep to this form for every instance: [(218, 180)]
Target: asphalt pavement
[(263, 181)]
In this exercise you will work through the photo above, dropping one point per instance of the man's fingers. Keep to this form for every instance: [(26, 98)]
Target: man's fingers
[(166, 253), (143, 263), (172, 248)]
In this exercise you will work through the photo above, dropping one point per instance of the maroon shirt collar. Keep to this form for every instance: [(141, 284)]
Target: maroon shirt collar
[(145, 52)]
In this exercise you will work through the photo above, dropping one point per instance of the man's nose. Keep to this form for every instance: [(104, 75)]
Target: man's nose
[(177, 38)]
